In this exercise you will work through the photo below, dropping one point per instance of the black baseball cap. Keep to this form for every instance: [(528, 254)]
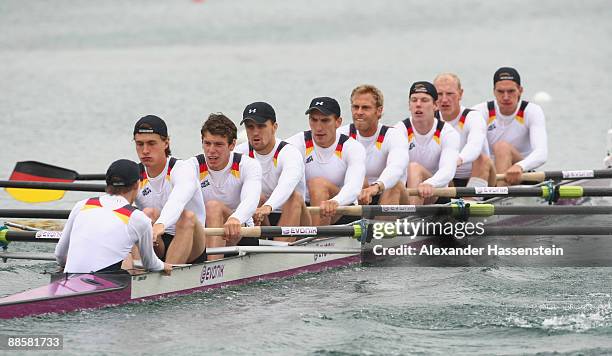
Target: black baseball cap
[(122, 173), (324, 104), (424, 87), (151, 124), (507, 73), (259, 112)]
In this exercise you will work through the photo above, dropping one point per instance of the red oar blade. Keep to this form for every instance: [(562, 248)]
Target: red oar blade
[(39, 172)]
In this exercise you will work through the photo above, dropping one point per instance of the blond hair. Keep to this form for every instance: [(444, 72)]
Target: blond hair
[(452, 76), (379, 99)]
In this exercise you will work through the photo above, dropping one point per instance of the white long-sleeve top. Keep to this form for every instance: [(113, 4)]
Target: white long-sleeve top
[(282, 172), (435, 151), (525, 129), (386, 154), (237, 185), (101, 232), (342, 163), (472, 130), (184, 194)]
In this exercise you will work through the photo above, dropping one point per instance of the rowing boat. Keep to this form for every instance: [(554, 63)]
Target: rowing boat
[(72, 292)]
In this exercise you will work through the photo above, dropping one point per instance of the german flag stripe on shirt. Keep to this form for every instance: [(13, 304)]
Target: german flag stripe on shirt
[(436, 135), (236, 164), (251, 151), (308, 141), (341, 141), (203, 168), (520, 115), (381, 136), (352, 131), (124, 213), (409, 129), (491, 109), (278, 149), (144, 178), (92, 203), (464, 115)]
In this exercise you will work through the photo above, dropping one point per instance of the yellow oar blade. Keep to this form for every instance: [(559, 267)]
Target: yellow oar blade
[(35, 195)]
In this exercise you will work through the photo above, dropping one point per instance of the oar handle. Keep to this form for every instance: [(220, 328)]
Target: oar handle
[(351, 210), (254, 231), (291, 231), (448, 192)]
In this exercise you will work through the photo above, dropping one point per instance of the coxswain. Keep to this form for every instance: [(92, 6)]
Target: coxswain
[(101, 231)]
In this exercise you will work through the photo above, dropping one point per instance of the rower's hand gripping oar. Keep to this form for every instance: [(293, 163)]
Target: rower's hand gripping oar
[(42, 172)]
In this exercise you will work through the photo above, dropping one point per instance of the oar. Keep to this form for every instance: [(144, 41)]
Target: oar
[(474, 209), (42, 172), (546, 175), (281, 249), (79, 187), (38, 171), (564, 191), (257, 231), (34, 213), (21, 226), (27, 256)]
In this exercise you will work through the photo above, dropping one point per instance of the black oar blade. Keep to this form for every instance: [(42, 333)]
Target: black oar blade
[(38, 171)]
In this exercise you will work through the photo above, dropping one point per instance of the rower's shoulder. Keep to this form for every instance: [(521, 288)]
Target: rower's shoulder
[(296, 139), (354, 147), (344, 129), (481, 107), (534, 109), (242, 148), (139, 220)]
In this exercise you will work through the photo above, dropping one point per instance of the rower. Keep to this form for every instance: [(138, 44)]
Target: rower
[(433, 146), (516, 128), (474, 167), (230, 181), (101, 231), (282, 166), (169, 194), (386, 150), (334, 162)]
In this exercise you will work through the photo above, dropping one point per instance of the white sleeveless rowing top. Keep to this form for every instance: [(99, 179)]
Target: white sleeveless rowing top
[(386, 154), (436, 151), (525, 130), (237, 185), (282, 172), (342, 163), (174, 190), (472, 139), (101, 232)]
